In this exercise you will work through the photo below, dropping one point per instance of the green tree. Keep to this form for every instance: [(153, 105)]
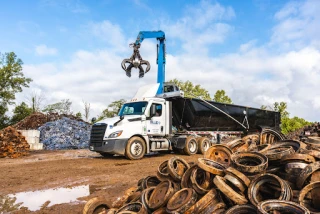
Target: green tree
[(4, 119), (62, 107), (20, 112), (112, 109), (79, 115), (221, 97), (282, 108), (11, 82), (190, 90), (288, 124)]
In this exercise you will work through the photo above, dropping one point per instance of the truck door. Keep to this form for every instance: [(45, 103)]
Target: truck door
[(156, 121)]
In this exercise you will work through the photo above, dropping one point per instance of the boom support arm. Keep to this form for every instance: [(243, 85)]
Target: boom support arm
[(137, 61)]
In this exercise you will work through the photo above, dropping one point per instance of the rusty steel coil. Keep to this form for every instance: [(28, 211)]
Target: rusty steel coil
[(222, 185), (135, 207), (211, 166), (237, 178), (145, 196), (163, 172), (276, 153), (312, 203), (162, 210), (314, 153), (306, 173), (268, 135), (186, 178), (263, 148), (176, 167), (219, 153), (182, 200), (249, 162), (304, 158), (125, 198), (200, 181), (251, 138), (211, 198), (218, 208), (295, 144), (150, 181), (273, 169), (242, 209), (161, 194), (281, 206), (295, 168), (238, 145), (268, 186)]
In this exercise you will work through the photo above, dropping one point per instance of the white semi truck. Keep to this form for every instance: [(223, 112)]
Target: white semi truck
[(148, 123)]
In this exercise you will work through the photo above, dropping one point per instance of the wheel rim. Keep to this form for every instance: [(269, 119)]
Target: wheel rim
[(205, 146), (136, 148), (192, 146)]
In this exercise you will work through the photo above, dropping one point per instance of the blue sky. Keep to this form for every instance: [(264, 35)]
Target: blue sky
[(63, 24), (258, 51)]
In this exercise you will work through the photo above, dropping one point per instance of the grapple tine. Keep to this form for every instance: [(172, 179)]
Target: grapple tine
[(145, 62)]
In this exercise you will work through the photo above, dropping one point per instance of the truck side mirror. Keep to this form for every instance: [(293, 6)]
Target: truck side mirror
[(152, 110)]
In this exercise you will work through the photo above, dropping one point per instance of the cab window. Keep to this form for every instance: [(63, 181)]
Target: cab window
[(158, 109)]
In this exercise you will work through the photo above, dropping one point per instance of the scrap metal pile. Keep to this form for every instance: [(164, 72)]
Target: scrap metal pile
[(256, 174), (12, 143), (65, 133)]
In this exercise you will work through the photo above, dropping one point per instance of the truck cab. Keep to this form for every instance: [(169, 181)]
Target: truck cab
[(142, 126)]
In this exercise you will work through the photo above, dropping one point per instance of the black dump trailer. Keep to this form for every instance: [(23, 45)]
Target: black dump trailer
[(202, 115)]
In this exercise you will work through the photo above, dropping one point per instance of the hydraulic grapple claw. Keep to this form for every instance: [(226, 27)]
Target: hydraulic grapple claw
[(135, 61)]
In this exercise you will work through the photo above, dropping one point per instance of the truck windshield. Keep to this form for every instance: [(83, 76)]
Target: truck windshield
[(136, 108)]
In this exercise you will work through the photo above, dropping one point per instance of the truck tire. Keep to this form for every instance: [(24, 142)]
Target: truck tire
[(106, 155), (135, 149), (203, 144), (191, 146), (95, 205)]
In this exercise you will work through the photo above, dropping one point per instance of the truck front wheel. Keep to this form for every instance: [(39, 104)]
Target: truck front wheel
[(135, 149), (191, 146)]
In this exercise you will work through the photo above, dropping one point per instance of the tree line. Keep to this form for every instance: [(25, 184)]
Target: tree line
[(12, 80)]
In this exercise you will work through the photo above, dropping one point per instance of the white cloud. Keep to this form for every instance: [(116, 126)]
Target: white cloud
[(43, 50), (202, 25), (110, 33), (298, 24)]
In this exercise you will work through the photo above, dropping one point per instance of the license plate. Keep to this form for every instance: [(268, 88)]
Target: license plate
[(91, 148), (307, 133)]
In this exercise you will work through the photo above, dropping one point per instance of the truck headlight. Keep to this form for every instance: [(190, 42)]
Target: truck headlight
[(115, 134)]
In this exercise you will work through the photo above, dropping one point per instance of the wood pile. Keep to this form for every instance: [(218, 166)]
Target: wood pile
[(12, 143), (37, 119), (33, 121)]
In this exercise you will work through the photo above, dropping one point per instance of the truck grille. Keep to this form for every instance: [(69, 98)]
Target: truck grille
[(97, 134)]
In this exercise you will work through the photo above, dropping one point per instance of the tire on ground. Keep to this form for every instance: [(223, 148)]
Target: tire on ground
[(135, 149), (106, 155), (203, 145), (191, 146), (96, 205)]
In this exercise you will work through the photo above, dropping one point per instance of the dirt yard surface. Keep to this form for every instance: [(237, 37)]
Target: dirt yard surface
[(43, 170)]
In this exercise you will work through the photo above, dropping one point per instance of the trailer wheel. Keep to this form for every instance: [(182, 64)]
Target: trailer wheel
[(204, 145), (191, 146), (135, 149), (96, 205)]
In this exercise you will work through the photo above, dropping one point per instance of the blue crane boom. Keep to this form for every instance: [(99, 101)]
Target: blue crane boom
[(136, 60)]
